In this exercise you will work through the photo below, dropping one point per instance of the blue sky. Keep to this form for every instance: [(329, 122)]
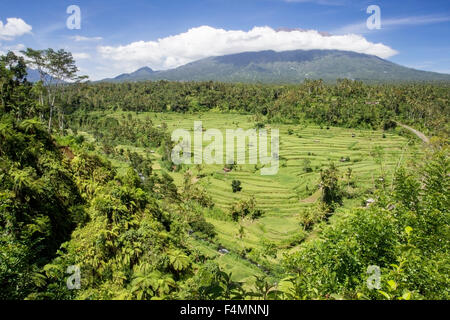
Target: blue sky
[(120, 36)]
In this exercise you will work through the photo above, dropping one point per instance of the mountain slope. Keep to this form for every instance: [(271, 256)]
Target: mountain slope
[(287, 67), (33, 75), (141, 74)]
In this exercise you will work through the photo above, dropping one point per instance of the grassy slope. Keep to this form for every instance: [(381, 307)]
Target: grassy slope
[(283, 196)]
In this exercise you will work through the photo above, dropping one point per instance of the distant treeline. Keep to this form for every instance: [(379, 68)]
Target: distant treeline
[(346, 103)]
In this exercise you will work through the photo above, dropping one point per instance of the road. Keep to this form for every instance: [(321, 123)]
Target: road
[(422, 137)]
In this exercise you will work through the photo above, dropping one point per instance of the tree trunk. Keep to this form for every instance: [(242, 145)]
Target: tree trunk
[(61, 120), (50, 119)]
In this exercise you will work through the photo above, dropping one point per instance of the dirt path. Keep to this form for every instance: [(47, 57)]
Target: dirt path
[(422, 137), (313, 198)]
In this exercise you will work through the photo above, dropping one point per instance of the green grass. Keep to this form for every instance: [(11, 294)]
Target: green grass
[(284, 196), (241, 269)]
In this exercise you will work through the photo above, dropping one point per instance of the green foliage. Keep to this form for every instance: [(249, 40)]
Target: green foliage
[(130, 229), (193, 192), (265, 289), (17, 94), (211, 283), (331, 191), (203, 229), (311, 216), (55, 68), (351, 104), (236, 186), (39, 203), (396, 234), (307, 166), (245, 208)]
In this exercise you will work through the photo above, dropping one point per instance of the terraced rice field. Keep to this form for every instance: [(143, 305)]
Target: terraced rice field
[(284, 195)]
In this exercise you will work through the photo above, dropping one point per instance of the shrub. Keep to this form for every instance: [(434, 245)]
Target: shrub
[(203, 229), (307, 166), (236, 186), (245, 208)]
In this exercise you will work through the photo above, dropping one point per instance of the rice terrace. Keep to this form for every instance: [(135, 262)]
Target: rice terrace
[(371, 155), (224, 159)]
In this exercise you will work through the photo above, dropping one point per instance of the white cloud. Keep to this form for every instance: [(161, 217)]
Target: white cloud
[(205, 41), (81, 55), (14, 27), (81, 38), (14, 48)]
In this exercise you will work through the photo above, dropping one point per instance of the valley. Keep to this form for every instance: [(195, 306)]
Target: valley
[(95, 204), (369, 154)]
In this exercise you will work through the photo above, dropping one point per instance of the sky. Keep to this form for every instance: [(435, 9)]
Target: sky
[(117, 36)]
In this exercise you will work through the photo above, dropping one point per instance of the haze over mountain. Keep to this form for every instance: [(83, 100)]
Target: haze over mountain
[(286, 67), (33, 75)]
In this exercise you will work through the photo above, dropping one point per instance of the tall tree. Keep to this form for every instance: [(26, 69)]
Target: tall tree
[(36, 60), (14, 87), (55, 68)]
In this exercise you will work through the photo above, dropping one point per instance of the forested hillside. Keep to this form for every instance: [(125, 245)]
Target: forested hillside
[(86, 180), (348, 103)]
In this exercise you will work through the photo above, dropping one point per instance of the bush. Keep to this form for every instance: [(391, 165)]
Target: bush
[(245, 208), (236, 186), (307, 166), (389, 124), (203, 229), (405, 234), (332, 194), (260, 125)]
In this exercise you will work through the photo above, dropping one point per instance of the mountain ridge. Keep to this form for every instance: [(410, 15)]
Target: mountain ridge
[(286, 67)]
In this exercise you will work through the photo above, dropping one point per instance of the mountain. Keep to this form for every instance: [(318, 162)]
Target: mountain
[(287, 67), (33, 75), (141, 74)]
